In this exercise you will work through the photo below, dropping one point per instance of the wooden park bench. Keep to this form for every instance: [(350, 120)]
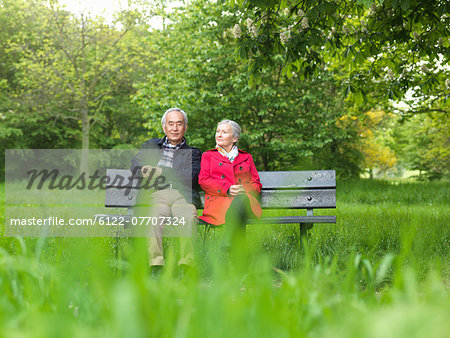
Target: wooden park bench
[(308, 190)]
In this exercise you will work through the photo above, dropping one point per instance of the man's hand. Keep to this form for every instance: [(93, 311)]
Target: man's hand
[(146, 170), (236, 190)]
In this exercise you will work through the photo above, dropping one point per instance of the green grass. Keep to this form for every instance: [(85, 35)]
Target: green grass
[(381, 271)]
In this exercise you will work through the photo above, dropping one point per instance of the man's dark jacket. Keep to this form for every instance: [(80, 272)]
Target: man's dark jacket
[(186, 165)]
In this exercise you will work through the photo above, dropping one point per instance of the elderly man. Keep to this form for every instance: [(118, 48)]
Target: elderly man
[(172, 159)]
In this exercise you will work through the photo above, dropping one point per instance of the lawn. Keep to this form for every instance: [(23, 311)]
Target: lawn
[(381, 271)]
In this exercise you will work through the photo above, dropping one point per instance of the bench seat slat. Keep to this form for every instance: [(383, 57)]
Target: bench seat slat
[(297, 179), (119, 177), (116, 198), (298, 199), (269, 179), (293, 219), (270, 199)]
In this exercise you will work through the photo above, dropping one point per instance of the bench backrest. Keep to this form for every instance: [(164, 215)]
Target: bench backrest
[(298, 189), (281, 189)]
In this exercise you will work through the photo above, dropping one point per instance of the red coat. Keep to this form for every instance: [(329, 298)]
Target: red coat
[(216, 176)]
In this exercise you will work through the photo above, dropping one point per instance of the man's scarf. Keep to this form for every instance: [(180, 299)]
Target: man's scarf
[(168, 150)]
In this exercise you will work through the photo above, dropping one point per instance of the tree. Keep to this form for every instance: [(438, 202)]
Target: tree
[(377, 47), (73, 66), (374, 131), (13, 27), (421, 143), (286, 121)]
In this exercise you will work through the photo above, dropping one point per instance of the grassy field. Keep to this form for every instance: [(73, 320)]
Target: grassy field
[(381, 271)]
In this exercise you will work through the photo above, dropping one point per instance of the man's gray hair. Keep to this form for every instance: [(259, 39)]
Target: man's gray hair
[(163, 119), (234, 126)]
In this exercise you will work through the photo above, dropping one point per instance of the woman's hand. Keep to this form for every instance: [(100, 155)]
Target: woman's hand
[(236, 190)]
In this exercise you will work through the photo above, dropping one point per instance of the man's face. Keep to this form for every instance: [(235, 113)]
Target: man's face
[(175, 127)]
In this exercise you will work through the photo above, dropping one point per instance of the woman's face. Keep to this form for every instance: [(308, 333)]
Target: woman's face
[(224, 136)]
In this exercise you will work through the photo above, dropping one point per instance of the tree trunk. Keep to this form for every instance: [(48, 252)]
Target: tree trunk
[(84, 165)]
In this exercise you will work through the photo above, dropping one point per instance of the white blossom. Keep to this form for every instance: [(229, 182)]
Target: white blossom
[(254, 31), (249, 24), (390, 73), (424, 69), (237, 31), (305, 23), (300, 13), (284, 37), (447, 82)]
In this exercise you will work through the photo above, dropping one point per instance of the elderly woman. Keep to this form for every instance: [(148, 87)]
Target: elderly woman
[(230, 180)]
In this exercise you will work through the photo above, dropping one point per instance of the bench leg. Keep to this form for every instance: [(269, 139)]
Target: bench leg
[(304, 227)]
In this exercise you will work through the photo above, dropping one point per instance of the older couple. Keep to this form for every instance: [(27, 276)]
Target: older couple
[(226, 174)]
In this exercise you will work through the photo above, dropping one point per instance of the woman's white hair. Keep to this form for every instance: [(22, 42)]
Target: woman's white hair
[(163, 119), (234, 126)]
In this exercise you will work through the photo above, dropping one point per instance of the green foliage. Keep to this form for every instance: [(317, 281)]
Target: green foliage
[(386, 47), (422, 143), (67, 81), (286, 120), (72, 77)]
